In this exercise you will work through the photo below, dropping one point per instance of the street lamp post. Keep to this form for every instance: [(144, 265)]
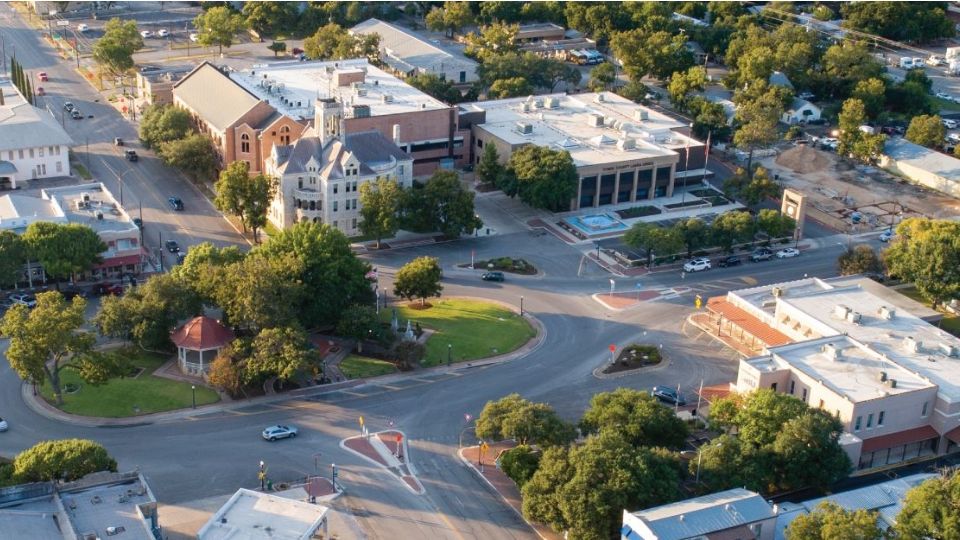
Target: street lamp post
[(333, 475), (262, 475), (521, 306), (449, 352), (193, 391)]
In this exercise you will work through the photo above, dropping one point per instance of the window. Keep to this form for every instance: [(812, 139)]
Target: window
[(59, 166), (335, 224), (463, 76), (300, 183), (923, 413), (856, 424), (353, 224), (42, 168), (50, 150), (793, 385), (285, 134), (244, 143), (479, 143), (31, 153), (10, 155), (869, 420), (41, 151), (773, 387), (880, 418), (20, 152), (804, 398), (821, 404), (335, 207), (401, 170), (335, 188)]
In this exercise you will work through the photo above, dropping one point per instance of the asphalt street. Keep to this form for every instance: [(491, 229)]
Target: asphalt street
[(214, 454)]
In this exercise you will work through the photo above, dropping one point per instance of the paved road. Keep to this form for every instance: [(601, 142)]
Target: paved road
[(147, 182)]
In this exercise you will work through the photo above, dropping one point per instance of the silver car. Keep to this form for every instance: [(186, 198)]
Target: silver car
[(3, 425), (273, 433)]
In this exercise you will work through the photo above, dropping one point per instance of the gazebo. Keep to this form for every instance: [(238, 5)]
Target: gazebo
[(198, 336)]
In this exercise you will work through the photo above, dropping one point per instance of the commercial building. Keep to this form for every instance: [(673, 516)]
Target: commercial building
[(33, 144), (99, 505), (623, 152), (922, 165), (87, 204), (319, 176), (250, 515), (553, 40), (408, 54), (156, 87), (891, 377)]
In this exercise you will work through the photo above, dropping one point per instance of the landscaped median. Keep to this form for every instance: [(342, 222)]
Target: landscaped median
[(465, 329), (140, 393), (358, 367)]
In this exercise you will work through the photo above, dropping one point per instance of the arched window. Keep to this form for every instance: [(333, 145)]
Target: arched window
[(244, 143)]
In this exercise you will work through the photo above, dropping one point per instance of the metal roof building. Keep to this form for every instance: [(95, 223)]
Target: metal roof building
[(730, 511), (922, 165), (410, 54)]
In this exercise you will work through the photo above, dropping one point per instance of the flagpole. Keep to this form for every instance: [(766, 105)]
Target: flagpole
[(706, 156), (686, 168)]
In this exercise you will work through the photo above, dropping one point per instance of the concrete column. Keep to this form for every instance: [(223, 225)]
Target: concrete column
[(673, 173), (633, 190), (576, 203), (653, 184), (616, 189), (596, 191)]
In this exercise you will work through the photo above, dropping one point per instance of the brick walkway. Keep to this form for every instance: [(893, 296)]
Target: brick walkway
[(396, 466)]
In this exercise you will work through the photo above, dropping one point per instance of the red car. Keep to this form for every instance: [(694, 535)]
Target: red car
[(41, 91), (42, 76), (107, 288)]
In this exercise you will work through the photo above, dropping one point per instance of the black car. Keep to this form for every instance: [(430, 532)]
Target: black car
[(492, 276), (172, 246), (670, 395), (761, 254), (117, 141), (70, 292), (732, 260), (131, 155), (175, 203)]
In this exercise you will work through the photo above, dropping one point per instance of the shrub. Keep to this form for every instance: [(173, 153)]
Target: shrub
[(520, 463)]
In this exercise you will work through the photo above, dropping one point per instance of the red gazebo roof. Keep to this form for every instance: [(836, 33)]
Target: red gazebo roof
[(202, 333)]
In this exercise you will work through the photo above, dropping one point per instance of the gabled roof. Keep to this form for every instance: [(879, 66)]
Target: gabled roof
[(778, 78), (202, 333), (24, 126), (214, 96), (798, 104), (707, 514), (370, 148)]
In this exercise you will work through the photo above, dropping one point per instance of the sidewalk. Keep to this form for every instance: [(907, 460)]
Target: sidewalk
[(387, 450)]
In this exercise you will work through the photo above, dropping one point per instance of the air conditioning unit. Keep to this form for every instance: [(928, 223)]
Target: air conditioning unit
[(641, 115), (599, 98), (85, 196), (79, 204), (100, 216), (595, 120), (777, 292), (552, 103), (831, 351), (525, 107), (841, 311), (886, 312), (855, 317), (525, 128), (626, 144), (949, 350), (883, 376), (911, 345)]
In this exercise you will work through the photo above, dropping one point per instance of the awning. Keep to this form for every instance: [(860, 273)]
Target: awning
[(954, 435), (899, 438), (771, 337), (120, 261), (7, 168)]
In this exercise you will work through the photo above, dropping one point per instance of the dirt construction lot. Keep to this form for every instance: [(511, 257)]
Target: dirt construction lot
[(839, 189)]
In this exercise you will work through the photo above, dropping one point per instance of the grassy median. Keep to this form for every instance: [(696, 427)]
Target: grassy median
[(358, 367)]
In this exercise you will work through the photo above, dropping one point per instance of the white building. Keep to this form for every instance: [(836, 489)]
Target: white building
[(251, 515), (735, 513), (922, 165), (800, 111), (32, 143), (319, 176), (409, 54)]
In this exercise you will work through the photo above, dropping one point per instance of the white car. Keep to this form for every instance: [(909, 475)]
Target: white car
[(145, 33), (163, 33), (697, 265), (787, 253), (273, 433), (886, 235), (949, 124), (194, 37), (3, 425), (28, 300), (943, 95), (82, 27)]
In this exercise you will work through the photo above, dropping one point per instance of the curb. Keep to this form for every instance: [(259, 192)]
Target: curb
[(394, 471), (598, 371)]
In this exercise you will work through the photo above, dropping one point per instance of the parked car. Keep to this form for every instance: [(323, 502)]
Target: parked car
[(117, 141), (148, 69), (194, 37), (76, 114), (68, 106), (43, 76), (886, 235), (175, 203), (670, 395), (41, 91), (82, 27), (145, 34), (697, 265), (787, 253), (761, 254), (131, 155), (101, 289), (731, 260), (138, 222), (273, 433), (172, 246), (72, 291), (949, 124), (163, 32), (492, 276), (944, 95), (3, 425), (23, 299)]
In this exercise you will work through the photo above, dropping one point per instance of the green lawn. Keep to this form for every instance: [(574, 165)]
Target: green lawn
[(358, 367), (944, 105), (950, 322), (474, 329), (81, 170), (118, 397)]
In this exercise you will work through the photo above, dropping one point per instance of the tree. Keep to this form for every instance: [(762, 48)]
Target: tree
[(419, 278), (433, 85), (217, 26), (732, 227), (656, 53), (931, 510), (903, 21), (261, 291), (64, 459), (46, 340), (225, 373), (602, 76), (450, 18), (257, 196), (64, 250), (637, 416), (163, 123), (762, 414), (844, 65), (808, 452), (278, 46), (757, 123), (379, 206), (829, 520), (278, 352), (709, 119), (599, 20), (725, 462), (204, 267), (653, 239), (230, 188), (13, 255), (194, 155), (872, 92), (775, 224), (441, 205), (694, 233), (270, 18), (859, 260), (546, 178), (360, 323), (330, 271), (754, 189), (682, 84), (512, 87), (927, 252), (114, 50), (148, 314), (855, 142), (493, 39), (926, 130), (583, 491), (333, 42), (489, 170), (519, 463)]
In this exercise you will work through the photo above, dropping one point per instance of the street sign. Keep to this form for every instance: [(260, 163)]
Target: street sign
[(399, 438), (698, 301), (639, 285), (361, 420), (63, 23), (467, 417), (613, 348)]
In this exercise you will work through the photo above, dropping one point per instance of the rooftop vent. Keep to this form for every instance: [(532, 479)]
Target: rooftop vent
[(100, 216), (595, 120), (85, 196), (948, 349), (641, 115), (892, 383), (525, 128), (552, 103), (911, 345), (854, 316), (883, 376), (538, 103), (832, 352), (841, 311), (599, 98), (525, 106), (887, 313), (626, 144), (777, 292), (386, 98)]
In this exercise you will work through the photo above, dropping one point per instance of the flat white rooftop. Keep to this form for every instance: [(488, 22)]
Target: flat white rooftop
[(594, 127), (90, 204), (251, 515), (294, 87)]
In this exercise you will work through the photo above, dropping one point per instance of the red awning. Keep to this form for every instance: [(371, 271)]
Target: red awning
[(954, 435), (120, 261), (899, 438), (770, 336)]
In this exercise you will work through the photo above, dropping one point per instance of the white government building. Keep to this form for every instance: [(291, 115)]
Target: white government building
[(33, 145)]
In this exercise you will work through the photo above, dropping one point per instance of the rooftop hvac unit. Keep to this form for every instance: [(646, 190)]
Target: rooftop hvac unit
[(887, 313), (626, 144), (641, 114), (831, 351), (883, 376), (525, 106), (892, 383), (911, 345), (595, 120), (85, 196), (599, 98), (777, 292), (854, 317), (538, 103), (948, 349), (386, 98), (79, 204), (525, 128), (841, 311), (552, 103), (100, 216), (360, 92)]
